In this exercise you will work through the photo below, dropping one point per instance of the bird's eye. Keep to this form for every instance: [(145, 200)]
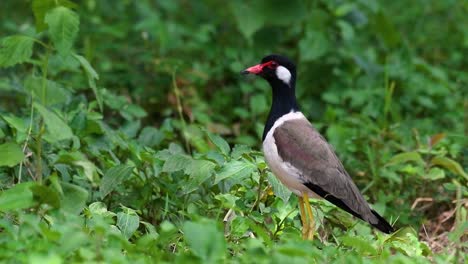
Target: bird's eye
[(273, 64)]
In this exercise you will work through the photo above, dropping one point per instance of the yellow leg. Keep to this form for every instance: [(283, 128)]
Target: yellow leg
[(311, 220), (305, 224)]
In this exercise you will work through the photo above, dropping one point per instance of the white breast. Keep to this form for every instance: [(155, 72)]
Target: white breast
[(284, 171)]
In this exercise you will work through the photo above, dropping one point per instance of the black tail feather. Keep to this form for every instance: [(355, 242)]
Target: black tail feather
[(382, 225)]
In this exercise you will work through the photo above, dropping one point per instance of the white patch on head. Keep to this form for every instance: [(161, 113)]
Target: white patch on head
[(283, 74), (284, 171)]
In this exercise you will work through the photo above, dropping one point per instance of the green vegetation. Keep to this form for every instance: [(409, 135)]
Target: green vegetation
[(128, 135)]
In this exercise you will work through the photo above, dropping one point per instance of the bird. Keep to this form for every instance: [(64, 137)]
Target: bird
[(300, 157)]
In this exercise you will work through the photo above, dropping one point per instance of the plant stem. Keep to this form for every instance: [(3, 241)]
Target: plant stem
[(179, 110), (45, 67)]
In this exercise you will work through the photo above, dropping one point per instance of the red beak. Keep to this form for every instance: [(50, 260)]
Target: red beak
[(257, 69)]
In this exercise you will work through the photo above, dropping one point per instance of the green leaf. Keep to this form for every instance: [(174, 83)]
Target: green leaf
[(314, 45), (434, 174), (248, 21), (74, 198), (54, 93), (58, 130), (92, 77), (18, 197), (127, 223), (359, 244), (235, 168), (205, 240), (405, 157), (278, 188), (10, 154), (41, 7), (15, 49), (46, 195), (199, 171), (176, 162), (450, 165), (63, 27), (113, 177), (219, 142)]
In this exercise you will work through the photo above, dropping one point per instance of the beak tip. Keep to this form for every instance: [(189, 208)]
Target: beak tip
[(244, 72)]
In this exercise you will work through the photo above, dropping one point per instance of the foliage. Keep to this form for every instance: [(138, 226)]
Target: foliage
[(156, 158)]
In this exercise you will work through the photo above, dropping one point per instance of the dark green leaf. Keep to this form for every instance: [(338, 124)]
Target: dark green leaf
[(74, 198), (113, 177)]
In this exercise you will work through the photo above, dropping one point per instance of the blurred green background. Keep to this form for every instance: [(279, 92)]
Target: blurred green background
[(127, 132)]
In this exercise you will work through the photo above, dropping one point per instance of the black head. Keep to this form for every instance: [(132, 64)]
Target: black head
[(276, 69)]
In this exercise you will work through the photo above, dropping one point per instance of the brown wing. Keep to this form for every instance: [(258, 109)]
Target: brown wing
[(321, 171)]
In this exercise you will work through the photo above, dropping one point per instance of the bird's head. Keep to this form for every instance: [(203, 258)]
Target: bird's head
[(275, 69)]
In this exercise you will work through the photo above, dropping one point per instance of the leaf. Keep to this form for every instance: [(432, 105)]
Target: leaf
[(63, 27), (46, 195), (10, 154), (114, 177), (219, 142), (450, 165), (74, 198), (278, 188), (205, 240), (405, 157), (15, 49), (176, 162), (199, 171), (248, 21), (57, 128), (314, 45), (92, 77), (127, 223), (434, 174), (235, 168), (18, 197), (359, 244), (54, 93), (41, 7)]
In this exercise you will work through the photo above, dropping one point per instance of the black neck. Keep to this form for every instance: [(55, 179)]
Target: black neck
[(284, 101)]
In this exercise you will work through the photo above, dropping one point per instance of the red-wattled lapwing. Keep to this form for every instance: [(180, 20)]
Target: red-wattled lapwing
[(300, 157)]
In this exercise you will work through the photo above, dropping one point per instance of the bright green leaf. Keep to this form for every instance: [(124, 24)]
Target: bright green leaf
[(127, 223), (405, 157), (41, 7), (235, 168), (278, 188), (205, 240), (15, 49), (113, 177), (63, 27), (219, 142), (56, 127), (10, 154), (19, 196)]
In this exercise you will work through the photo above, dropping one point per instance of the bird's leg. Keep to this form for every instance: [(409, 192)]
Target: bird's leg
[(305, 224), (311, 220)]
